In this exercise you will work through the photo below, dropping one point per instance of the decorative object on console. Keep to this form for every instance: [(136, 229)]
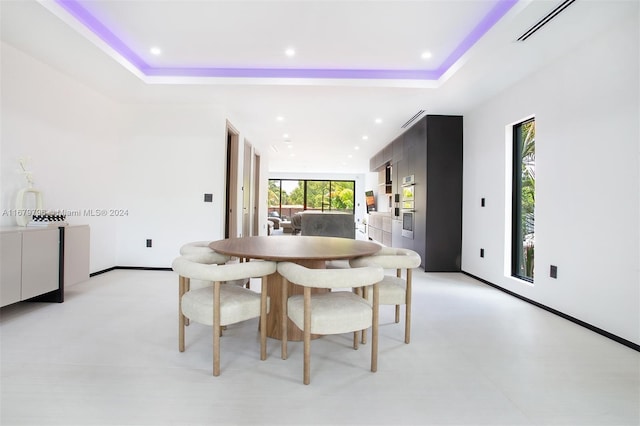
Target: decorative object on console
[(48, 219), (35, 216), (23, 217)]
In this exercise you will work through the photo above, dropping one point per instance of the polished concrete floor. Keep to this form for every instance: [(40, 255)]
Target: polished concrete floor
[(108, 356)]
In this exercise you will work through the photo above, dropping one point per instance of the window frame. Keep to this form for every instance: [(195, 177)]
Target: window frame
[(517, 236), (305, 193)]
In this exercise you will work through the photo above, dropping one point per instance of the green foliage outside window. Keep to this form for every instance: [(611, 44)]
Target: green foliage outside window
[(524, 199), (274, 193), (322, 195)]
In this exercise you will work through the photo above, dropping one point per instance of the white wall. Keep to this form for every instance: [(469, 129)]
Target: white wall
[(70, 134), (171, 156), (587, 112), (152, 162)]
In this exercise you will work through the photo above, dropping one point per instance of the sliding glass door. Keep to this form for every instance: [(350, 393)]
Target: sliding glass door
[(290, 196)]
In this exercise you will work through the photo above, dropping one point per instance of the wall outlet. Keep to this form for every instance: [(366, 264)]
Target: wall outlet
[(481, 252), (149, 243), (553, 271)]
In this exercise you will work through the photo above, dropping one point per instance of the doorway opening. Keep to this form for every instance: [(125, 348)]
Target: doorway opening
[(231, 192)]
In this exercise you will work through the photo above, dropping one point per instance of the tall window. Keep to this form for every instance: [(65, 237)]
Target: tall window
[(290, 196), (524, 200), (274, 197)]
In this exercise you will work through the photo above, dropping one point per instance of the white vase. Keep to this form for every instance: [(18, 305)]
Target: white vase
[(23, 217)]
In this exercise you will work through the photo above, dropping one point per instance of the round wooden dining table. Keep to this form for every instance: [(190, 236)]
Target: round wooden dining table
[(311, 252)]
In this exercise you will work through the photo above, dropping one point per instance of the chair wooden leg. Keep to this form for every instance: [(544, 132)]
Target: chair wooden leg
[(216, 328), (307, 336), (374, 329), (362, 292), (187, 287), (181, 318), (263, 319), (407, 309), (284, 318), (248, 283), (365, 294)]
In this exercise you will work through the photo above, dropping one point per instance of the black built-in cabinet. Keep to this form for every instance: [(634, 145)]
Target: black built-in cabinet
[(431, 151)]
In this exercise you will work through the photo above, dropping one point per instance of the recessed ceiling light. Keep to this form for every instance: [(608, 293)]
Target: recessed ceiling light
[(280, 118), (155, 51), (426, 55), (349, 156), (290, 146), (290, 52), (286, 135), (356, 148), (378, 120), (365, 137)]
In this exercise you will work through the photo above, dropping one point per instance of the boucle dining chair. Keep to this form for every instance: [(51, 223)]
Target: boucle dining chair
[(201, 252), (394, 290), (333, 312), (199, 247), (221, 304), (209, 256)]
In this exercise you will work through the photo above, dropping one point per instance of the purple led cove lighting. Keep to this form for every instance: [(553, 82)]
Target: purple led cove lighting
[(81, 14), (494, 15), (293, 73), (98, 28)]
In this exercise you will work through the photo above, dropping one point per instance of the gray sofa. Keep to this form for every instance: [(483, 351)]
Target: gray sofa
[(328, 224)]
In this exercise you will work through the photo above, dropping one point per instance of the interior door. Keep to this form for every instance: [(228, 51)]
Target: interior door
[(231, 196), (246, 190), (256, 195)]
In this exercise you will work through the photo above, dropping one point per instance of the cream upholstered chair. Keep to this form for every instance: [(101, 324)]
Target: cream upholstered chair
[(337, 264), (334, 312), (208, 256), (201, 253), (221, 304), (198, 247), (394, 290)]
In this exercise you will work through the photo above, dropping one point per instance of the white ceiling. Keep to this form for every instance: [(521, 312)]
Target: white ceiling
[(325, 119)]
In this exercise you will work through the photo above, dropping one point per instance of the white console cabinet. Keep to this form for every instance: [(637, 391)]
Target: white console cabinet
[(76, 254), (31, 262), (11, 267)]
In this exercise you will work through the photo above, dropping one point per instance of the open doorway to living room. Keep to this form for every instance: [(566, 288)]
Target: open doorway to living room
[(288, 198)]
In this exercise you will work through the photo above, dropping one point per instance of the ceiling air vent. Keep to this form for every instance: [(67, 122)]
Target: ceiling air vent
[(544, 21), (412, 119)]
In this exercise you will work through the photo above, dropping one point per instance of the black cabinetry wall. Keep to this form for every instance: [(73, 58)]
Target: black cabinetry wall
[(432, 153), (444, 193)]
